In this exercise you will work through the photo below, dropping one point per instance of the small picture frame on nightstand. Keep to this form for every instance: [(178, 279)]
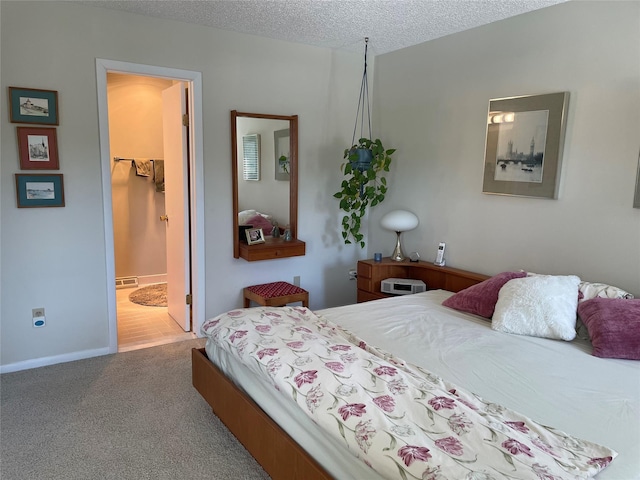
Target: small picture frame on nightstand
[(254, 235)]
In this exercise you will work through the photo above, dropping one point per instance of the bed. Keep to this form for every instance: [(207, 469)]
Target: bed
[(557, 387)]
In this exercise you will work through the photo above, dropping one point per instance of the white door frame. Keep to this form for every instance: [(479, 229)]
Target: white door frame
[(196, 190)]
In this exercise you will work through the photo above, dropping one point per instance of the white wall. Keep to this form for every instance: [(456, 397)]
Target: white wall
[(431, 104), (55, 258), (135, 131)]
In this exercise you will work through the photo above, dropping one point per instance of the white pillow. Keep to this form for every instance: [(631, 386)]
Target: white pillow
[(245, 215), (592, 290), (539, 306)]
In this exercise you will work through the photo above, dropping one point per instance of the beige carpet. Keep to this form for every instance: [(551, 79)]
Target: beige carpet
[(128, 416), (150, 296)]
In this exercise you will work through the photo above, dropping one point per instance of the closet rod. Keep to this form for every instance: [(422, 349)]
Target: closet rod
[(120, 159)]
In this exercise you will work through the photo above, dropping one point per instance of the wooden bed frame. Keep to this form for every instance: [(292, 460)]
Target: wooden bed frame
[(280, 456)]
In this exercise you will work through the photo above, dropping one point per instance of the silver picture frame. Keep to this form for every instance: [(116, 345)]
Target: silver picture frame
[(254, 235), (524, 144)]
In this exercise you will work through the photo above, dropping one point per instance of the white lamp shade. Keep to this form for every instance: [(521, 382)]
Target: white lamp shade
[(399, 221)]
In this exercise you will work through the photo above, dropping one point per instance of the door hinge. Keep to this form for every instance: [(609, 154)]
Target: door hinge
[(185, 120), (189, 299)]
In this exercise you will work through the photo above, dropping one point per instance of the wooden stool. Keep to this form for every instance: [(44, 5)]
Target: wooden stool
[(276, 294)]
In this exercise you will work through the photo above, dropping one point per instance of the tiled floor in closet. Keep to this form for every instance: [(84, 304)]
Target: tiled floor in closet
[(141, 327)]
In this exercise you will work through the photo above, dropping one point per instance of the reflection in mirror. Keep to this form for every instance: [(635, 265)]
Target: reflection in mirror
[(265, 184), (636, 198), (263, 200)]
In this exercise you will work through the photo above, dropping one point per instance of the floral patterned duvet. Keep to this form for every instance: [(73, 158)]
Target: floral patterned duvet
[(400, 419)]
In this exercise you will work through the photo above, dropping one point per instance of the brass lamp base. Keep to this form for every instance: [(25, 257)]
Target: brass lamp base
[(397, 255)]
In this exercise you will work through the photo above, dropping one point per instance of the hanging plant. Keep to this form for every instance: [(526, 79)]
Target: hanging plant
[(364, 186), (283, 161), (367, 161)]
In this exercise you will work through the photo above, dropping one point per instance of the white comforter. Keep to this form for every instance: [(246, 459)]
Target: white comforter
[(544, 379)]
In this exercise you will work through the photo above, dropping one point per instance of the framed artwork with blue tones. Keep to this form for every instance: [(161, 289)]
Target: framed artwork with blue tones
[(34, 190), (30, 105)]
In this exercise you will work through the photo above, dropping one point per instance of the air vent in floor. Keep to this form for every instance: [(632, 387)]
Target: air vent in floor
[(126, 282)]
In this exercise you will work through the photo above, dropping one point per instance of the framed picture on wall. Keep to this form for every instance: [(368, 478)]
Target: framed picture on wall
[(254, 235), (38, 148), (281, 144), (35, 190), (30, 105), (524, 144)]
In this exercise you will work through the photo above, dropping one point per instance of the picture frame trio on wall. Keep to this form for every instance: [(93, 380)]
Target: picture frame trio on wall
[(37, 147)]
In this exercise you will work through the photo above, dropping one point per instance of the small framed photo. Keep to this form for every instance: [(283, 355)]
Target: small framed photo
[(254, 235), (35, 190), (30, 105), (524, 144), (38, 148)]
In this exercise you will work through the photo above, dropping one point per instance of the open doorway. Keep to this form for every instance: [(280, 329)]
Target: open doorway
[(137, 233), (149, 186)]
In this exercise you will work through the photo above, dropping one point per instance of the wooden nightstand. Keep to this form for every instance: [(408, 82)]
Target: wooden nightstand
[(371, 273)]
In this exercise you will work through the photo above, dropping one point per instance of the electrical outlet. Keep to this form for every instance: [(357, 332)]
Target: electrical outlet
[(38, 317), (296, 281)]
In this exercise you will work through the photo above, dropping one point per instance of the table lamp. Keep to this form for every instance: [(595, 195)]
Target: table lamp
[(399, 221)]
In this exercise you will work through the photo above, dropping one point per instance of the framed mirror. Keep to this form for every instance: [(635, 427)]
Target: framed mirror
[(636, 198), (264, 156)]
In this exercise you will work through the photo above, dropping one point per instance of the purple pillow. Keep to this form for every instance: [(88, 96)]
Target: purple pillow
[(258, 221), (613, 325), (480, 299)]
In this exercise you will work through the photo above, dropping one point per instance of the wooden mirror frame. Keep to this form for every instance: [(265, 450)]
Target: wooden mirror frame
[(273, 247)]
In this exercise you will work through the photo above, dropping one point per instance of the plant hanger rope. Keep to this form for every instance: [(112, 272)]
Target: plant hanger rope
[(363, 99), (366, 163)]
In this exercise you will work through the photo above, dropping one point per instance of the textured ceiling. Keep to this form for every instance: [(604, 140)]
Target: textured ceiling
[(336, 24)]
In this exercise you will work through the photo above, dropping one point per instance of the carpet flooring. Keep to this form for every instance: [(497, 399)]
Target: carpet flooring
[(132, 415)]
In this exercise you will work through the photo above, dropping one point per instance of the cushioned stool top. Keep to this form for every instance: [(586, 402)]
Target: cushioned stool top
[(275, 289)]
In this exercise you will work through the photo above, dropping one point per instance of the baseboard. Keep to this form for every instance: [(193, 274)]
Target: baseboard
[(45, 361), (148, 279)]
